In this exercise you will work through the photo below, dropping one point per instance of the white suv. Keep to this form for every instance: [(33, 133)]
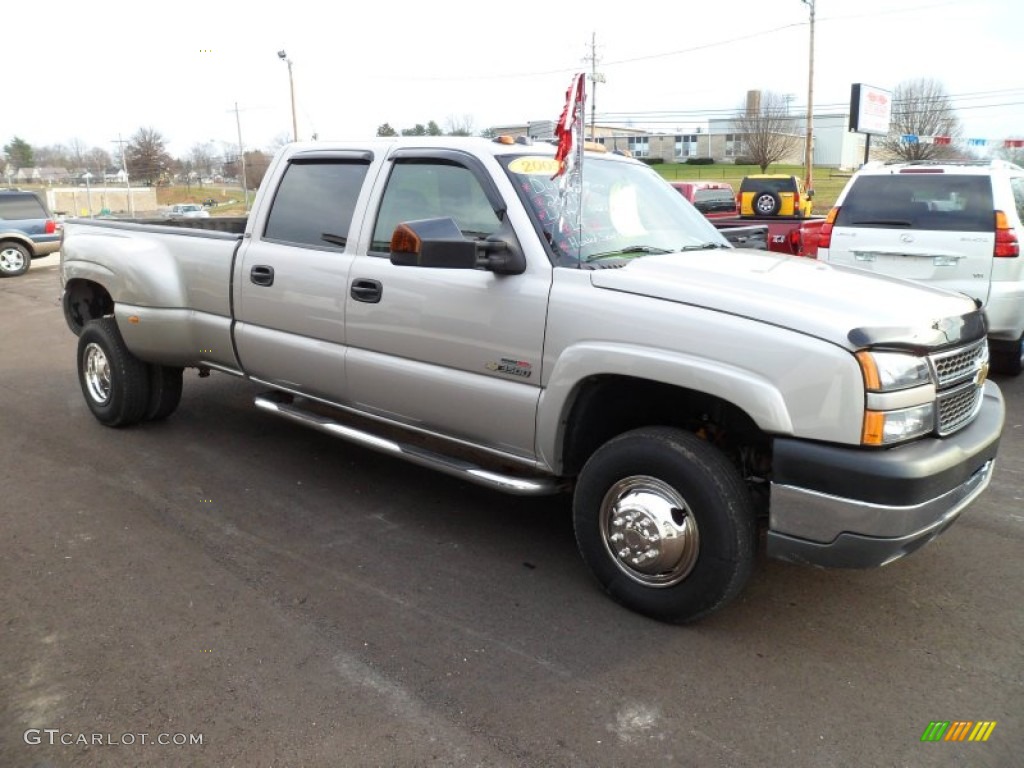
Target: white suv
[(953, 225)]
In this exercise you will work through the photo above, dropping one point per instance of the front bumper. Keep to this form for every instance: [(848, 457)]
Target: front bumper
[(845, 507)]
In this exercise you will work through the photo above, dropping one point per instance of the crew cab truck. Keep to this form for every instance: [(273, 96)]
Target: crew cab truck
[(457, 303)]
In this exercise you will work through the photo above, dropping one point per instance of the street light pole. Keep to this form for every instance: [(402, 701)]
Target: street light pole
[(809, 146), (291, 87)]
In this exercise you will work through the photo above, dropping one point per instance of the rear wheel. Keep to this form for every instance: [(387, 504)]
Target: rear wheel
[(15, 259), (164, 391), (115, 382), (666, 523)]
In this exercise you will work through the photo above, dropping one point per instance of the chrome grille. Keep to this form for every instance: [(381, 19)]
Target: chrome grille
[(958, 364), (958, 406), (959, 385)]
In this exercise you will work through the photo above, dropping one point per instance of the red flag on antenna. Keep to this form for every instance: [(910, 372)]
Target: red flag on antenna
[(569, 123)]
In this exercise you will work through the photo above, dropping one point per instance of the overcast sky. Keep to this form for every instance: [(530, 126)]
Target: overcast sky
[(94, 71)]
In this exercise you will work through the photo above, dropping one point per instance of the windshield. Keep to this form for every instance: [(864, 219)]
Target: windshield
[(628, 211)]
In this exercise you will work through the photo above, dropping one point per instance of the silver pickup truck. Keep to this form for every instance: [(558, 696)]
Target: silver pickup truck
[(448, 301)]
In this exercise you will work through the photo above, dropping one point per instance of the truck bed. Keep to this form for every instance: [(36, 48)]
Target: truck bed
[(234, 225)]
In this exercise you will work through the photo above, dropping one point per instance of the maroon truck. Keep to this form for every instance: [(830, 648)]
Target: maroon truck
[(786, 234)]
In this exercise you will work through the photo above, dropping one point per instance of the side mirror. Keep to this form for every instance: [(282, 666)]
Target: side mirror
[(440, 244), (810, 194), (436, 243)]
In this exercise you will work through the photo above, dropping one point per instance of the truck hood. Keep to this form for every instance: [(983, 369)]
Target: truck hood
[(802, 294)]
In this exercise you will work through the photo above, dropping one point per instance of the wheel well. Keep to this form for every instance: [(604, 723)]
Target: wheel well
[(610, 405), (85, 300), (23, 242)]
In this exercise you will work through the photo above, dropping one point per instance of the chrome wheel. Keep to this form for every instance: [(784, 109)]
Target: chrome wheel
[(97, 374), (12, 259), (650, 531)]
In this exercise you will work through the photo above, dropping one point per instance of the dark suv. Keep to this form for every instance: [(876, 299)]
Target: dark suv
[(27, 231)]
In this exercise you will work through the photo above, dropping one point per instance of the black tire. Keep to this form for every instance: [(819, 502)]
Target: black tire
[(1008, 357), (115, 382), (15, 259), (766, 204), (164, 391), (669, 481)]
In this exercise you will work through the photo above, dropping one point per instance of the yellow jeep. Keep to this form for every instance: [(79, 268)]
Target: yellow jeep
[(774, 194)]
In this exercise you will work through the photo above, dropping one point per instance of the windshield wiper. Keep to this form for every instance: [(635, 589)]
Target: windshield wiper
[(709, 246), (627, 250), (327, 237)]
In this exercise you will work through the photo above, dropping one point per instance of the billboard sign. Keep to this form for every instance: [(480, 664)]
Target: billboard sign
[(870, 109)]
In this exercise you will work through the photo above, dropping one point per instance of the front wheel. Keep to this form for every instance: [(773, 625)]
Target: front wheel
[(666, 523), (15, 259), (115, 382)]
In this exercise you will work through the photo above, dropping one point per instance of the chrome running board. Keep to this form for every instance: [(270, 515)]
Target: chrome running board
[(519, 485)]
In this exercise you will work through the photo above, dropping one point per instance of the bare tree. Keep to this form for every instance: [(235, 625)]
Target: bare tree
[(201, 160), (921, 107), (98, 160), (77, 151), (54, 155), (146, 156), (279, 141), (256, 164), (767, 129), (1013, 155), (459, 126)]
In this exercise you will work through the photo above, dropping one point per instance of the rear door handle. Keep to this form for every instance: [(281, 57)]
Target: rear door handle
[(262, 275), (366, 290)]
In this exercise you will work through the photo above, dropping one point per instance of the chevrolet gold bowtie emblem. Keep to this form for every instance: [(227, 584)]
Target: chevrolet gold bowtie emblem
[(982, 373)]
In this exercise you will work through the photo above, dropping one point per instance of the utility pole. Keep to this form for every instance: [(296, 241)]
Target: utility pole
[(291, 87), (241, 157), (595, 77), (124, 167), (809, 146)]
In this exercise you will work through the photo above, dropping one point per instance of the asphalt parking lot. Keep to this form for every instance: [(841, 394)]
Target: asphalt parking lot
[(226, 589)]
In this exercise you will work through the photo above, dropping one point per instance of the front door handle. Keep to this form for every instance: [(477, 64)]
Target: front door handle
[(366, 290), (262, 275)]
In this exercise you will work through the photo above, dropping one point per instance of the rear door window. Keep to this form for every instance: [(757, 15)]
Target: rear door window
[(932, 201), (314, 203), (21, 207)]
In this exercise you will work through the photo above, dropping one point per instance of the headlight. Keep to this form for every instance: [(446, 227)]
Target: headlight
[(888, 371), (900, 397), (888, 427)]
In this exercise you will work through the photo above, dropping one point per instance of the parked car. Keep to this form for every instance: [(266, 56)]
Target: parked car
[(953, 225), (188, 211), (774, 195), (712, 198), (27, 231), (209, 202)]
